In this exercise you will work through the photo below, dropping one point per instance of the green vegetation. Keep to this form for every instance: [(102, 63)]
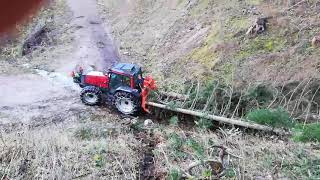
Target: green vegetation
[(302, 166), (238, 23), (196, 147), (174, 121), (84, 133), (176, 146), (199, 9), (260, 44), (262, 94), (309, 132), (274, 118), (204, 123), (99, 160), (254, 2), (174, 174)]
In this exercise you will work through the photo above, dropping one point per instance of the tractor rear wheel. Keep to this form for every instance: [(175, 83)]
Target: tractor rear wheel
[(126, 103), (91, 96)]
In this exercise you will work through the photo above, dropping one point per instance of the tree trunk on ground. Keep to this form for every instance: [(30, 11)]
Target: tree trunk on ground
[(224, 120)]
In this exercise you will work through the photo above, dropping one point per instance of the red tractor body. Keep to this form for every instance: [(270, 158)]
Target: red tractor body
[(97, 79)]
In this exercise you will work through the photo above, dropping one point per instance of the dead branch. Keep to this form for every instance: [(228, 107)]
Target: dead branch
[(174, 95)]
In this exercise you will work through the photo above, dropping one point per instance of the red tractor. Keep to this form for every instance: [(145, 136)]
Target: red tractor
[(123, 85)]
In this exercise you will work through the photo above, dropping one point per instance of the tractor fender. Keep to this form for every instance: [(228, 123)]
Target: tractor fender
[(135, 92)]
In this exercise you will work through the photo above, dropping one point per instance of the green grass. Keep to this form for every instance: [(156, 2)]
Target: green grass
[(84, 133), (309, 132), (174, 121), (196, 147), (204, 123), (303, 166), (273, 118), (174, 174)]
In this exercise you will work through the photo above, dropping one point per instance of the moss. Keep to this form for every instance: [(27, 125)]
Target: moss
[(254, 2), (204, 56), (213, 35), (237, 23), (227, 73), (261, 45), (182, 3), (200, 8)]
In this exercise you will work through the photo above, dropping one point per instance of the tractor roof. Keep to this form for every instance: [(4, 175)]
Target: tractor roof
[(126, 68)]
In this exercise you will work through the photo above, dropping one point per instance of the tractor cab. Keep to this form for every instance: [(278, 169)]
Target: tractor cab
[(125, 76)]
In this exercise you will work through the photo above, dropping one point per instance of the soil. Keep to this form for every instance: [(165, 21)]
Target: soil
[(47, 84)]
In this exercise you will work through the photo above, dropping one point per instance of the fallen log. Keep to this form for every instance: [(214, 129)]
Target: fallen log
[(220, 119)]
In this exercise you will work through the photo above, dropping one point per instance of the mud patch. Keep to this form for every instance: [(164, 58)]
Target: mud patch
[(146, 168)]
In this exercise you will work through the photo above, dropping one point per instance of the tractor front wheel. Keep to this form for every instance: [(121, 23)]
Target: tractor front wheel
[(91, 96), (126, 103)]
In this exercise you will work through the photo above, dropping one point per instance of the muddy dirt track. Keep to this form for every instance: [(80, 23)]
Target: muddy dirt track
[(38, 94)]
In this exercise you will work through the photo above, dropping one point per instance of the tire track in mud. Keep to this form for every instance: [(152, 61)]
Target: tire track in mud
[(95, 43)]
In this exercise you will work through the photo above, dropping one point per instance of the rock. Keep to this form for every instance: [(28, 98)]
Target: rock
[(126, 53), (316, 41), (148, 123)]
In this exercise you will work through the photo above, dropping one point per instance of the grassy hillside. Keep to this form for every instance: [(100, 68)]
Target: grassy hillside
[(206, 38), (185, 43)]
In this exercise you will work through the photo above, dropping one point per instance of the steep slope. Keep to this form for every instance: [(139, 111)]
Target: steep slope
[(207, 38), (204, 42)]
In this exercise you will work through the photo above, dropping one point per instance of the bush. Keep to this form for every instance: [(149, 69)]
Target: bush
[(175, 174), (204, 123), (310, 132), (261, 94), (197, 147), (274, 118), (174, 121)]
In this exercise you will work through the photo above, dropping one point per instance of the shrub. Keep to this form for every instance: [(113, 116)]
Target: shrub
[(262, 94), (274, 118), (310, 132), (197, 147), (204, 123), (176, 141), (176, 146), (175, 174), (174, 121)]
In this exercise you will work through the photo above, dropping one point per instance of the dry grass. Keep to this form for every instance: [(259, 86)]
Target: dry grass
[(251, 157), (57, 152)]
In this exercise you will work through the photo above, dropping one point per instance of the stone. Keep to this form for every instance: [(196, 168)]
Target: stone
[(148, 123), (316, 41)]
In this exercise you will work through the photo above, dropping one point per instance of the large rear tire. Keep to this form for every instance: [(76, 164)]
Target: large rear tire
[(127, 103), (91, 96)]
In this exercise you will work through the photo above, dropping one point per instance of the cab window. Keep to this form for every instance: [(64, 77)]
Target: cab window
[(117, 80)]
